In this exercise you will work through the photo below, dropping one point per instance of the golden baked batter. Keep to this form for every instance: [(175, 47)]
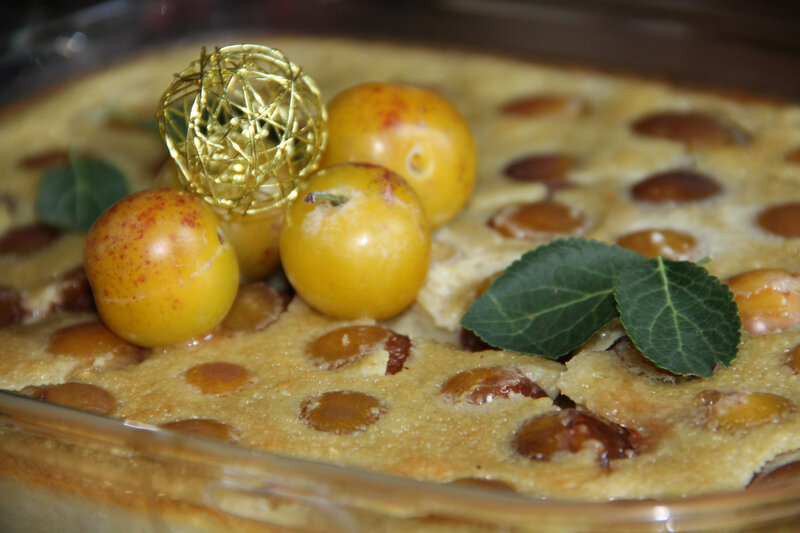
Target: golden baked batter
[(569, 151)]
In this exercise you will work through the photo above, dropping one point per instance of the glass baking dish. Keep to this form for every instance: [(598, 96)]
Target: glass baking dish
[(66, 470), (74, 471)]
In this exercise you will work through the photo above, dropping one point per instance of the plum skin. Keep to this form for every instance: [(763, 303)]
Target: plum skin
[(365, 257), (160, 270)]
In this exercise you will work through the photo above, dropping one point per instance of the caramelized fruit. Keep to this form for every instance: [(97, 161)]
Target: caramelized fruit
[(733, 411), (218, 379), (538, 220), (77, 395), (544, 104), (669, 243), (483, 385), (783, 220), (341, 412), (794, 359), (12, 310), (679, 186), (257, 306), (399, 348), (203, 427), (571, 430), (74, 293), (548, 169), (483, 483), (93, 340), (27, 240), (768, 299), (347, 344), (694, 129)]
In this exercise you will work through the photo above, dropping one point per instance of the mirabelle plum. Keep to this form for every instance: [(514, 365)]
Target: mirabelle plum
[(76, 395), (676, 186), (356, 242), (217, 378), (664, 242), (255, 240), (346, 345), (543, 437), (485, 384), (160, 270), (254, 237), (733, 411), (342, 411), (412, 131), (768, 299), (204, 427), (793, 359), (692, 128), (94, 345), (12, 309), (538, 220)]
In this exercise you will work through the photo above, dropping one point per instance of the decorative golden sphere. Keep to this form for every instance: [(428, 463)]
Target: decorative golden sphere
[(244, 125)]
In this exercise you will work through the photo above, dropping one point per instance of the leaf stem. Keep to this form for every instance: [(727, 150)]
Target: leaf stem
[(334, 199)]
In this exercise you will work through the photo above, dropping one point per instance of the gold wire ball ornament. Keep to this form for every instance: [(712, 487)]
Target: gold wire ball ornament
[(245, 126)]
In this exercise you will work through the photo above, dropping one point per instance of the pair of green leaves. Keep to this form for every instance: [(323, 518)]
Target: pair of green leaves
[(556, 297), (72, 196)]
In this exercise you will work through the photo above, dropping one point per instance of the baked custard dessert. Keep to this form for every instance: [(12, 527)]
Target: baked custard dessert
[(661, 170)]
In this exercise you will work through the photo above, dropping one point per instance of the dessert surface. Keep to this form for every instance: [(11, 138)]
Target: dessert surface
[(561, 152)]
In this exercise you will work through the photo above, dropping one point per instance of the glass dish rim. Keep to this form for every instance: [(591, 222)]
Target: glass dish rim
[(37, 416), (55, 421)]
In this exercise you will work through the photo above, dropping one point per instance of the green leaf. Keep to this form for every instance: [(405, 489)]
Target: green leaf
[(679, 316), (553, 299), (73, 196)]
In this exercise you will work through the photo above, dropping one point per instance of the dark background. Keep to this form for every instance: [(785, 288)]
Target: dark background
[(746, 45)]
